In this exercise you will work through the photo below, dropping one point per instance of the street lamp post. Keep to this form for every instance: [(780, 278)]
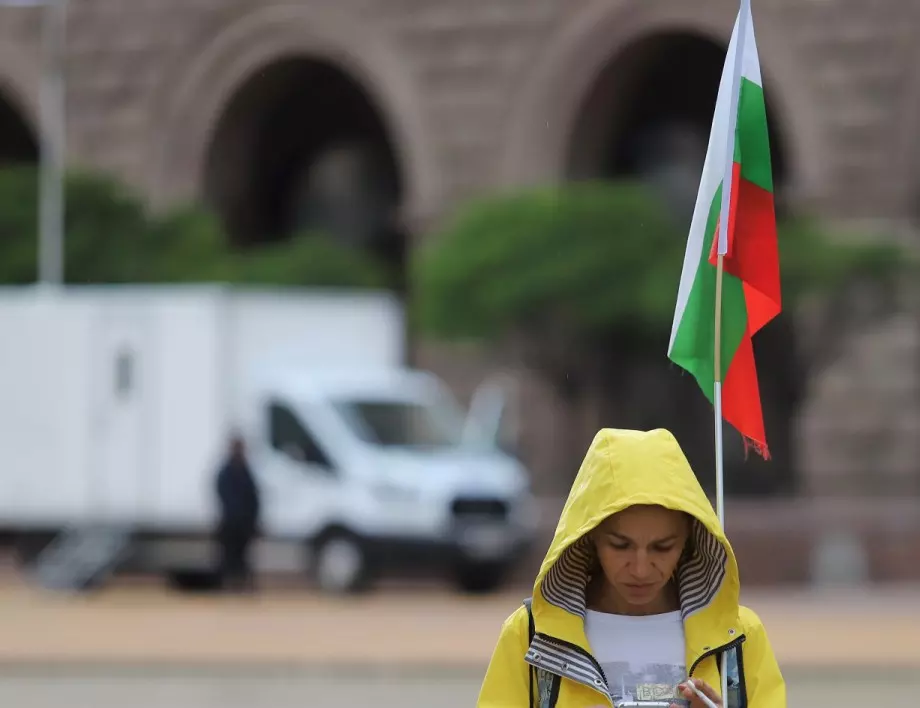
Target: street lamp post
[(53, 131)]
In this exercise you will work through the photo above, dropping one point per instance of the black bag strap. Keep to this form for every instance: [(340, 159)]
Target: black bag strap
[(531, 631)]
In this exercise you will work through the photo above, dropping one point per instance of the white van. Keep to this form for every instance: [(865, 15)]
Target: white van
[(118, 403), (374, 469)]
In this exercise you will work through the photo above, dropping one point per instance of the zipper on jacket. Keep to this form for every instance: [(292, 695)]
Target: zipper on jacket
[(578, 650), (712, 652)]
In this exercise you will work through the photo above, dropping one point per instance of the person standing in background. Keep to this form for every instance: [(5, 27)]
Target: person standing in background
[(238, 498)]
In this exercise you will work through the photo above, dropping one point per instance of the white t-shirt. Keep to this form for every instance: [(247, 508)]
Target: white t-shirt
[(642, 657)]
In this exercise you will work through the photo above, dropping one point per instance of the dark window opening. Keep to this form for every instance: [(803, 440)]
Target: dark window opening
[(289, 436)]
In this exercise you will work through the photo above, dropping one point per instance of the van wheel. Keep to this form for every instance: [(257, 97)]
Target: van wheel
[(340, 564), (482, 577)]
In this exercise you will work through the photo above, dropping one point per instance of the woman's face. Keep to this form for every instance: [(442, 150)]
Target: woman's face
[(638, 550)]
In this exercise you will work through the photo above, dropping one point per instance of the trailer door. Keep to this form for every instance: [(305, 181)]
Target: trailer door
[(121, 430)]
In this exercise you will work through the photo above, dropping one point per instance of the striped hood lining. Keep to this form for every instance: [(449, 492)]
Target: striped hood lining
[(698, 578), (547, 656)]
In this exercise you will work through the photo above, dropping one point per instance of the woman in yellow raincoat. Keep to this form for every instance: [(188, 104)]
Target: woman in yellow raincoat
[(638, 592)]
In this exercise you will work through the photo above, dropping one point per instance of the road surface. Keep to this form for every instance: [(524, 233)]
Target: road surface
[(258, 688), (150, 626), (143, 647)]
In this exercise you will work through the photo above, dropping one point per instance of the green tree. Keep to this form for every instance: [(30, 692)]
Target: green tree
[(309, 259), (578, 282), (111, 237)]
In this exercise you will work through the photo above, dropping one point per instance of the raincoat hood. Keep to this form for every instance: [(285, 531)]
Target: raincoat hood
[(624, 468)]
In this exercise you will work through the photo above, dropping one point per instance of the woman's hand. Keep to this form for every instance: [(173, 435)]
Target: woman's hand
[(696, 701)]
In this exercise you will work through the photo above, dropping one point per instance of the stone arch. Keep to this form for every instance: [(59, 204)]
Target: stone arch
[(301, 146), (649, 115), (207, 83), (19, 118), (547, 110)]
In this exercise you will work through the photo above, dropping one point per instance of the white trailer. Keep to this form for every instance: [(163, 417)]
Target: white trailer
[(118, 402)]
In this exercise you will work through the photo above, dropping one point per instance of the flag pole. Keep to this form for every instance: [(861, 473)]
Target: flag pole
[(717, 394), (720, 466), (744, 14), (722, 250)]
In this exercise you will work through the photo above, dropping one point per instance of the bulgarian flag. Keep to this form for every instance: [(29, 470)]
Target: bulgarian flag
[(739, 153)]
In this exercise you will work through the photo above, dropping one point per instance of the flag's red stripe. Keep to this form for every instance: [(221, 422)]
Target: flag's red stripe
[(753, 258), (741, 397)]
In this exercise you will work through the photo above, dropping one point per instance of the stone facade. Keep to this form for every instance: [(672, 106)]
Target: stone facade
[(482, 94), (478, 93)]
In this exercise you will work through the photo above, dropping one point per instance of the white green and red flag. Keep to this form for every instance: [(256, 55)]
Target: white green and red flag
[(751, 282)]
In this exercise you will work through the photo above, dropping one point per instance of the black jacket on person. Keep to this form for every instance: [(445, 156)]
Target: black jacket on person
[(238, 496)]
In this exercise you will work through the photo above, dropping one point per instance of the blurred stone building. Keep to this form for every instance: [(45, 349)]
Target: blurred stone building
[(278, 112)]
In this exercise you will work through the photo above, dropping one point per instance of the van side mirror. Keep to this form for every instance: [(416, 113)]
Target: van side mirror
[(488, 411)]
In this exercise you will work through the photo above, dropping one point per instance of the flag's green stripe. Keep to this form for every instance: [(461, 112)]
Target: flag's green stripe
[(695, 340), (752, 140)]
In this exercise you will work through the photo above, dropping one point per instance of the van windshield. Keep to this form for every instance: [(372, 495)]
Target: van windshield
[(403, 423)]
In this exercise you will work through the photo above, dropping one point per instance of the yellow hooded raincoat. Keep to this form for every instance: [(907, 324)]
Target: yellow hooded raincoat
[(624, 468)]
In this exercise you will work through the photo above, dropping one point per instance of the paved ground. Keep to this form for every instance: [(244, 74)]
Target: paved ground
[(147, 625), (141, 647), (252, 688)]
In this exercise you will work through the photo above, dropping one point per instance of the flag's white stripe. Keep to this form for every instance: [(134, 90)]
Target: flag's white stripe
[(735, 89), (714, 165), (750, 64)]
